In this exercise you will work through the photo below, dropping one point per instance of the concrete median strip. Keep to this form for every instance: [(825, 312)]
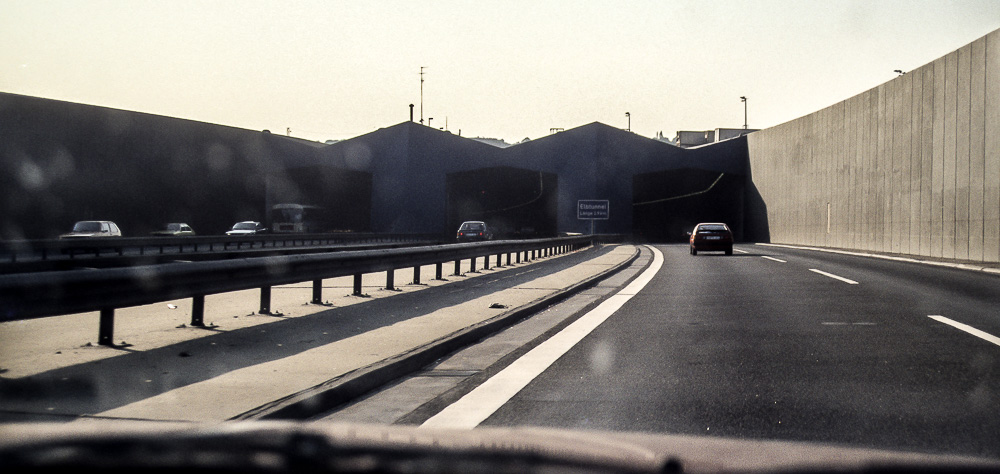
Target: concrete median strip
[(351, 364)]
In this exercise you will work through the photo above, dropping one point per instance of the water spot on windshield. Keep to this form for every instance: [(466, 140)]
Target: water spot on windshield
[(31, 175), (358, 156), (602, 357), (219, 157)]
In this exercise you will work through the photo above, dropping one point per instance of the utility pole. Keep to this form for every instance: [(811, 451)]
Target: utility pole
[(744, 99), (629, 117), (421, 94)]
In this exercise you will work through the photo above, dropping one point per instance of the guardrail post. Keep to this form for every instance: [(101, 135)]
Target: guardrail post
[(499, 256), (438, 270), (518, 256), (390, 280), (265, 300), (486, 262), (416, 275), (508, 259), (106, 329), (317, 292), (357, 284), (472, 265), (458, 268), (198, 310)]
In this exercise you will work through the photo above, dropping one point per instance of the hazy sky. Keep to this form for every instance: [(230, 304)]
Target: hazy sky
[(506, 69)]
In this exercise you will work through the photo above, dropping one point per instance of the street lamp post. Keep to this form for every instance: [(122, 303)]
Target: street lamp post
[(744, 99), (629, 117)]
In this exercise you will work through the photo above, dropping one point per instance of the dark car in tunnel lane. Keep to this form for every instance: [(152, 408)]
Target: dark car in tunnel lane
[(471, 231), (711, 236)]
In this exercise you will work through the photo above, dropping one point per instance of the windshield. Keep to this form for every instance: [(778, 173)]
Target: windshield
[(87, 227), (844, 158)]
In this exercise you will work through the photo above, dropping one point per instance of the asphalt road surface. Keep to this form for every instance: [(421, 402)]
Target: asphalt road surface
[(776, 343)]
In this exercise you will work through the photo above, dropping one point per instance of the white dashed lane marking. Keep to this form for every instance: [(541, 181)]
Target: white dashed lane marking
[(835, 277), (964, 327)]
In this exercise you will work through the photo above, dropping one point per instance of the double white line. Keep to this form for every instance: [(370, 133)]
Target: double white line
[(477, 405)]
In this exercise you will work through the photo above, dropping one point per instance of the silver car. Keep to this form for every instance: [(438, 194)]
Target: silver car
[(90, 229)]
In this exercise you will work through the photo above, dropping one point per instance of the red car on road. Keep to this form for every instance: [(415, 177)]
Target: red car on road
[(709, 236)]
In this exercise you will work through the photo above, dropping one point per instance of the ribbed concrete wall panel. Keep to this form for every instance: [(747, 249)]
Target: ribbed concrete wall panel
[(937, 167), (977, 151), (962, 129), (949, 218), (926, 159), (991, 175), (911, 166)]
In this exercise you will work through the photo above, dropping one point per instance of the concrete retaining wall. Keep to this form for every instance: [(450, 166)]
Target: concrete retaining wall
[(911, 166)]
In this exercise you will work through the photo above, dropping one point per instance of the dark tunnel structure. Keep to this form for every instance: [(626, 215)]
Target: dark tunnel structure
[(62, 162)]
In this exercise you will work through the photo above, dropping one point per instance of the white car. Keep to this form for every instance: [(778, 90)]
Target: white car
[(247, 228)]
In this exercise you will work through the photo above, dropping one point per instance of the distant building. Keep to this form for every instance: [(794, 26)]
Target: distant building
[(660, 138), (497, 142), (688, 139), (405, 178)]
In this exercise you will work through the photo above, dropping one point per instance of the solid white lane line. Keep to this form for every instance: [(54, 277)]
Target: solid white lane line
[(835, 277), (969, 329), (740, 251), (775, 259), (477, 405)]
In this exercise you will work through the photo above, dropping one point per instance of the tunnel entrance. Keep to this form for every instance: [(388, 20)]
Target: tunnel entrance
[(514, 202), (667, 204), (324, 198)]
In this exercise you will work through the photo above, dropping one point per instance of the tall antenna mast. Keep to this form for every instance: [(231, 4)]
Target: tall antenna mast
[(421, 94)]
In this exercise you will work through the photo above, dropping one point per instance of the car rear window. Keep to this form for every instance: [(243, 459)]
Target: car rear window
[(87, 227), (472, 227), (712, 228)]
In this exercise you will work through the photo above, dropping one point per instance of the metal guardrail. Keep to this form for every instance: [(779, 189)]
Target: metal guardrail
[(152, 258), (35, 295), (15, 250)]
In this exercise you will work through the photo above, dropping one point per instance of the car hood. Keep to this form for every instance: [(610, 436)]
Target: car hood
[(286, 446)]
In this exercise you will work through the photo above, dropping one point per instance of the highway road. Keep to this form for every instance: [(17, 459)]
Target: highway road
[(771, 343)]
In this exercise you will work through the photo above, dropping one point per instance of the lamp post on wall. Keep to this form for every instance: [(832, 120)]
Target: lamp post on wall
[(629, 117), (743, 98)]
